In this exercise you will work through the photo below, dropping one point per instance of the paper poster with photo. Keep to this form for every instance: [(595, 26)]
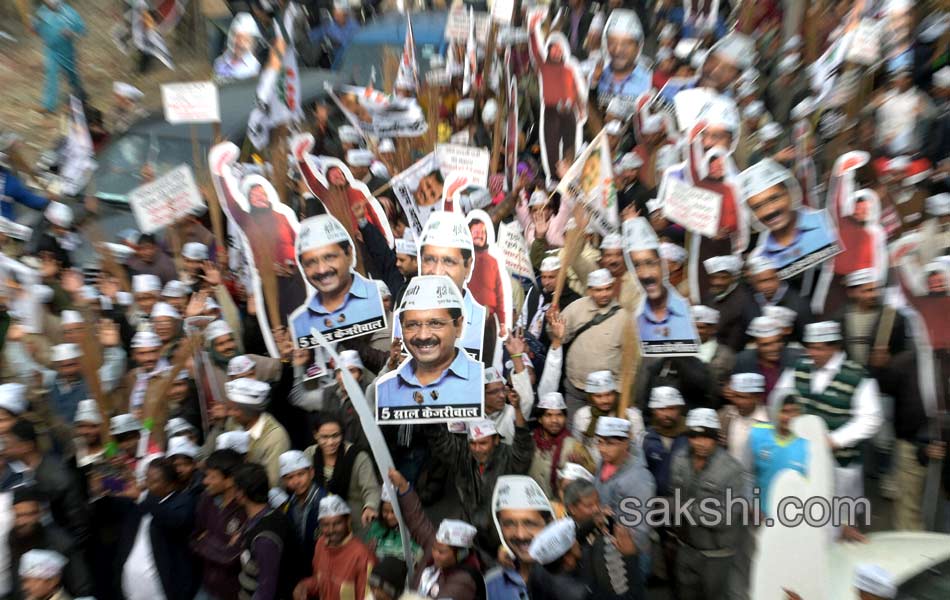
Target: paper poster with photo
[(341, 304), (166, 200), (326, 175), (694, 208), (925, 282), (418, 189), (590, 180), (792, 236), (438, 382), (712, 129), (562, 91), (446, 248), (857, 217), (515, 250), (490, 283), (518, 500), (664, 321), (76, 162), (267, 235)]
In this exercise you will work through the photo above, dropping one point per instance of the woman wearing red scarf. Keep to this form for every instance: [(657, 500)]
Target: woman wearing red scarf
[(554, 447)]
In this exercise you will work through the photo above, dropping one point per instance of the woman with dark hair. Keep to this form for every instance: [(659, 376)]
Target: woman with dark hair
[(344, 469)]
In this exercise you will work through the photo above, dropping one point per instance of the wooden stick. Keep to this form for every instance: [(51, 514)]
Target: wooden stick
[(573, 242), (156, 405), (278, 160), (90, 372), (630, 363), (496, 145)]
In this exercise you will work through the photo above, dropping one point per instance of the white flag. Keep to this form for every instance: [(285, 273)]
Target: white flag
[(278, 99), (471, 57)]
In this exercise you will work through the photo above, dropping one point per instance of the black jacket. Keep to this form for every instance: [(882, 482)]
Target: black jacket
[(66, 501), (791, 299), (383, 259), (169, 531), (688, 374), (733, 315), (747, 361)]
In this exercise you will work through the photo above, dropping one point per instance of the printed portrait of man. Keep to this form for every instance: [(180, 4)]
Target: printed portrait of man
[(438, 374), (344, 304), (665, 323), (796, 238)]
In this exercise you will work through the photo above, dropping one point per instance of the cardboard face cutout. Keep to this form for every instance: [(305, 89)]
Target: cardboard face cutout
[(330, 180), (664, 320), (563, 93), (490, 283), (267, 232), (341, 304), (438, 381)]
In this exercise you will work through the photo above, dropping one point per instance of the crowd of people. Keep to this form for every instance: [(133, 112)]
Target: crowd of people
[(703, 225)]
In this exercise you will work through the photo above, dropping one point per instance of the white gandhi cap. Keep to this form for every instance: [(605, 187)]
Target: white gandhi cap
[(747, 383), (822, 332), (292, 461), (519, 492), (599, 278), (332, 506), (550, 263), (665, 396), (761, 176), (63, 352), (481, 428), (248, 392), (146, 284), (448, 230), (428, 292), (217, 329), (194, 251), (240, 365), (239, 441), (728, 263), (860, 277), (455, 533), (704, 314), (320, 231), (612, 427), (764, 327), (552, 401), (181, 446), (13, 398), (702, 418), (553, 542), (611, 241), (783, 315), (638, 235), (599, 382), (41, 564)]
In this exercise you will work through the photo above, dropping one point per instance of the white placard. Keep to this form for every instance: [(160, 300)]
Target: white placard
[(467, 160), (457, 24), (502, 11), (191, 102), (166, 200), (865, 47), (694, 208), (515, 248)]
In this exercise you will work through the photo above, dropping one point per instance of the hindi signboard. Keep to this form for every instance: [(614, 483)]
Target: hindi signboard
[(694, 208), (166, 200), (191, 102), (515, 249)]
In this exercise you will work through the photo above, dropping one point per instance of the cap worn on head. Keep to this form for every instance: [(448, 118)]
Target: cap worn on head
[(552, 401), (553, 542), (216, 329), (87, 411), (763, 327), (704, 314), (701, 419), (612, 427), (480, 429), (181, 446), (728, 263), (195, 251), (63, 352), (574, 472), (599, 278), (665, 396), (248, 392), (747, 383), (332, 506), (239, 441), (599, 382), (145, 339), (146, 284), (519, 492), (455, 533), (293, 461), (860, 277), (822, 332), (124, 423), (430, 292)]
